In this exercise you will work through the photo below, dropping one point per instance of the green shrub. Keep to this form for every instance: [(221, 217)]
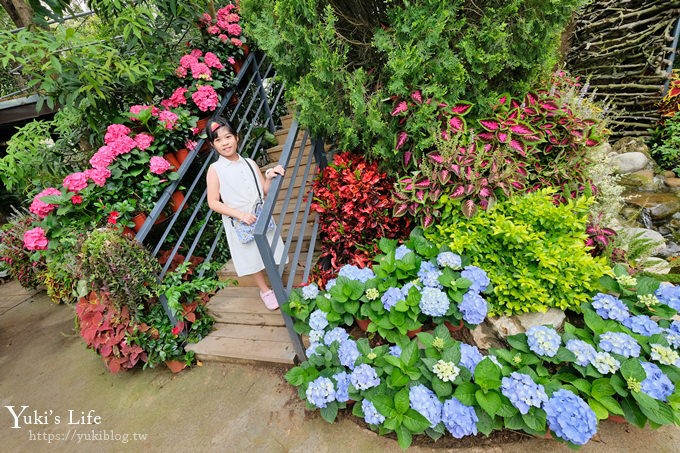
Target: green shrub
[(667, 150), (532, 249)]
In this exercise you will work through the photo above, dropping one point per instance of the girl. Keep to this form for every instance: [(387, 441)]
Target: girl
[(232, 192)]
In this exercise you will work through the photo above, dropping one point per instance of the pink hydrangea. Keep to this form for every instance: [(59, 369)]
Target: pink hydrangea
[(187, 60), (75, 182), (103, 157), (76, 199), (234, 29), (190, 144), (237, 42), (143, 140), (201, 71), (213, 30), (206, 19), (123, 145), (98, 175), (197, 53), (177, 98), (233, 17), (212, 61), (41, 208), (35, 239), (180, 72), (115, 131), (205, 98), (231, 60), (159, 165), (168, 118), (223, 38)]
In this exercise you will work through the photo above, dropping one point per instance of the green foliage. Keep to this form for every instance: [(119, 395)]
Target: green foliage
[(532, 250), (340, 74), (666, 150)]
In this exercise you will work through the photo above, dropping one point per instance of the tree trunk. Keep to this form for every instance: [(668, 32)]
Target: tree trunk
[(19, 11)]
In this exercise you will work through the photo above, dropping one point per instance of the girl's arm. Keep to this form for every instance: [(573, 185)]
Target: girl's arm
[(214, 202)]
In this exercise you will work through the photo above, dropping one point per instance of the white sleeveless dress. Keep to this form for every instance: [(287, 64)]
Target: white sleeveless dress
[(238, 191)]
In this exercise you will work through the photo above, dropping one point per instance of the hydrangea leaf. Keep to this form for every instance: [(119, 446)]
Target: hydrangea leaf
[(518, 342), (535, 420), (654, 410), (632, 412), (330, 412), (490, 401), (401, 401), (410, 354), (601, 412), (404, 437), (441, 388), (465, 393), (398, 378), (631, 368), (416, 422), (485, 424), (610, 404)]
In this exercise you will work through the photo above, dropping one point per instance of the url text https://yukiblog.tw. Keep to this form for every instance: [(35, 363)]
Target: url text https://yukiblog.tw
[(92, 435)]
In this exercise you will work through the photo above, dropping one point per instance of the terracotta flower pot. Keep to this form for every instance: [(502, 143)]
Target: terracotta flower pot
[(162, 217), (128, 232), (200, 124), (176, 200), (454, 327), (139, 220), (413, 333), (362, 323), (170, 157), (175, 365), (181, 155)]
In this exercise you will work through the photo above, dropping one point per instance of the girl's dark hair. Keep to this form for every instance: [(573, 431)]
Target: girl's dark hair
[(214, 124)]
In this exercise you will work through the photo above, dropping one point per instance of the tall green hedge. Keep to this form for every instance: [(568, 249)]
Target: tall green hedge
[(346, 61)]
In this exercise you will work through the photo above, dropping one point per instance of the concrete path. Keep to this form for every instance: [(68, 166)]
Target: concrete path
[(217, 407)]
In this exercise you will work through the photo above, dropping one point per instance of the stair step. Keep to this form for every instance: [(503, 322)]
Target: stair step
[(246, 343), (242, 305)]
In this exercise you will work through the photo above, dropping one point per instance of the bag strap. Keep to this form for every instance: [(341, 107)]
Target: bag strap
[(257, 183)]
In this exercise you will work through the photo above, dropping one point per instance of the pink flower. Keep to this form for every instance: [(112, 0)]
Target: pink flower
[(176, 99), (103, 157), (159, 165), (234, 29), (213, 30), (180, 72), (115, 131), (201, 71), (35, 239), (190, 144), (168, 118), (206, 19), (196, 53), (212, 61), (123, 145), (98, 175), (223, 38), (231, 60), (41, 208), (76, 199), (401, 107), (237, 42), (232, 17), (75, 182), (187, 60), (176, 330), (143, 141), (113, 217), (205, 98)]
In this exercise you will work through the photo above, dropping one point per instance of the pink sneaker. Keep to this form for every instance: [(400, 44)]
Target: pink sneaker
[(269, 299)]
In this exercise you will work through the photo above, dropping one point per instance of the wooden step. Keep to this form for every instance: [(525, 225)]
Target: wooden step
[(242, 305)]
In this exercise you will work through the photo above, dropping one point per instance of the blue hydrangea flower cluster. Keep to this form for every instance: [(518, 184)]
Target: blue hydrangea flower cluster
[(619, 343), (342, 391), (584, 352), (434, 302), (371, 414), (610, 307), (318, 320), (664, 355), (425, 401), (642, 324), (320, 392), (395, 350), (391, 297), (338, 334), (311, 350), (330, 283), (310, 291), (364, 377), (477, 276), (429, 274), (656, 384), (669, 294), (570, 418), (470, 356), (449, 259), (348, 353), (473, 307), (401, 252), (355, 273), (316, 336), (543, 340), (605, 363), (672, 334), (523, 392), (459, 419)]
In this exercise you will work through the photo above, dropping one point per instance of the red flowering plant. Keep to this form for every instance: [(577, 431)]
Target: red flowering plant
[(354, 202), (15, 254), (223, 35)]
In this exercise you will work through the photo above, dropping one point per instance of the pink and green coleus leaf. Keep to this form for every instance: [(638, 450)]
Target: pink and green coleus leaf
[(490, 124), (461, 108), (469, 208), (457, 124)]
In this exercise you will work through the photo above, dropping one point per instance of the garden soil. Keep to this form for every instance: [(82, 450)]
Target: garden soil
[(74, 404)]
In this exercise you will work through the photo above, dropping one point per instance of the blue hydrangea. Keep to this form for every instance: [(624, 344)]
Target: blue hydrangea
[(407, 287), (570, 418), (523, 392), (470, 356), (391, 297), (364, 377), (320, 392), (330, 283), (355, 273), (473, 307), (675, 327), (543, 340), (619, 343), (342, 391), (669, 294), (642, 324), (318, 320), (672, 337), (395, 350), (656, 384), (401, 252), (310, 291), (610, 307), (371, 414), (429, 274), (338, 334), (477, 276), (605, 363), (316, 336), (434, 302), (425, 401), (348, 353), (459, 419), (311, 350), (449, 259), (584, 352)]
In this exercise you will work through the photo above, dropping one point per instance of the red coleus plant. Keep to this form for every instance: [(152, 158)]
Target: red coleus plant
[(354, 202), (105, 329), (599, 237)]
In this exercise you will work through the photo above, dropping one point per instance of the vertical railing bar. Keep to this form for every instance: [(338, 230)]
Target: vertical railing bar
[(671, 58), (208, 257), (310, 251), (263, 94), (284, 164), (300, 238)]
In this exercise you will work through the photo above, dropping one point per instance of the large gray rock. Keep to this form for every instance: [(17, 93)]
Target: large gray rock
[(644, 233), (631, 145), (629, 162), (493, 329)]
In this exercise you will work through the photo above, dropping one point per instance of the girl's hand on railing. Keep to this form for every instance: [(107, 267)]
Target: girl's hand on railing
[(271, 173)]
